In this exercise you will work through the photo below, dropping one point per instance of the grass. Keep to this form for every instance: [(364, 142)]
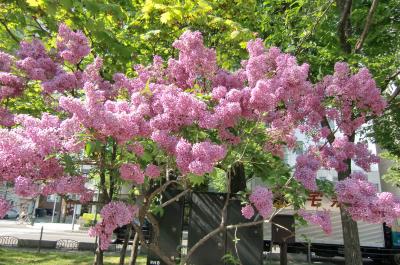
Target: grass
[(25, 257)]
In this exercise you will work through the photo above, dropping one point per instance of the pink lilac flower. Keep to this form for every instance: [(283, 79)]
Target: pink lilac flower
[(136, 148), (320, 218), (4, 207), (72, 46), (195, 61), (364, 203), (248, 211), (113, 215), (307, 166), (152, 171), (6, 61), (129, 171), (25, 187), (262, 198), (35, 61)]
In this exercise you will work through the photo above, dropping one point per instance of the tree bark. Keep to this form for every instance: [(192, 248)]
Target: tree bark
[(351, 240), (134, 251), (352, 251), (99, 255), (238, 177), (125, 245)]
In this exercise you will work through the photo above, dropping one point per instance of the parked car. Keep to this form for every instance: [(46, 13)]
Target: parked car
[(120, 232), (11, 214)]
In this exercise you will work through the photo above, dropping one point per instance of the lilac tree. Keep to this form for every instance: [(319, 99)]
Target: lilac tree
[(181, 122)]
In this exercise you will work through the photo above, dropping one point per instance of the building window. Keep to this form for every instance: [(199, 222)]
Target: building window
[(51, 198)]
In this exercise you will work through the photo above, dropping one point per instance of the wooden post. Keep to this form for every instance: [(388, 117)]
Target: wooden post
[(283, 253)]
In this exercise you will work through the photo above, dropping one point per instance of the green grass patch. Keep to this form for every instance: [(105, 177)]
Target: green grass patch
[(25, 257)]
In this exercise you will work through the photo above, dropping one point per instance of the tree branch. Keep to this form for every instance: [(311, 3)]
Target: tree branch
[(9, 31), (175, 198), (368, 22), (344, 24)]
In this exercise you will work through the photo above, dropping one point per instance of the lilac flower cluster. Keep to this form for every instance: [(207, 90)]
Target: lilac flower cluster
[(261, 198), (364, 203), (72, 46), (320, 218), (113, 215), (4, 207)]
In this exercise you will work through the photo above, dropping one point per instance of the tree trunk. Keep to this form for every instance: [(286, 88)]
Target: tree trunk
[(60, 210), (238, 177), (134, 251), (352, 251), (99, 256), (351, 240), (125, 245)]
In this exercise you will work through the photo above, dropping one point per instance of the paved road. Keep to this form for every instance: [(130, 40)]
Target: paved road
[(52, 232)]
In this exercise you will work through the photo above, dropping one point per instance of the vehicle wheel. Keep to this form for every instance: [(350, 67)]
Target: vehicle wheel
[(5, 216), (395, 260)]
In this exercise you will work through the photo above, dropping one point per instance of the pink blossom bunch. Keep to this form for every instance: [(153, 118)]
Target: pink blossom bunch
[(10, 85), (261, 198), (152, 171), (68, 185), (195, 62), (199, 158), (4, 207), (61, 82), (364, 203), (113, 215), (92, 75), (72, 46), (155, 73), (6, 117), (108, 118), (307, 166), (6, 62), (174, 109), (25, 187), (348, 90), (132, 172), (229, 80), (320, 218), (35, 61), (27, 150), (136, 148), (335, 155), (248, 211)]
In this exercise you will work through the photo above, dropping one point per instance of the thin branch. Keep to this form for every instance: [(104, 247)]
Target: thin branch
[(15, 38), (368, 22), (175, 198), (220, 228), (390, 79), (41, 27), (395, 93)]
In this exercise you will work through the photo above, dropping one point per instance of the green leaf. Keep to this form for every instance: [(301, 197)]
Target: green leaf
[(196, 180)]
